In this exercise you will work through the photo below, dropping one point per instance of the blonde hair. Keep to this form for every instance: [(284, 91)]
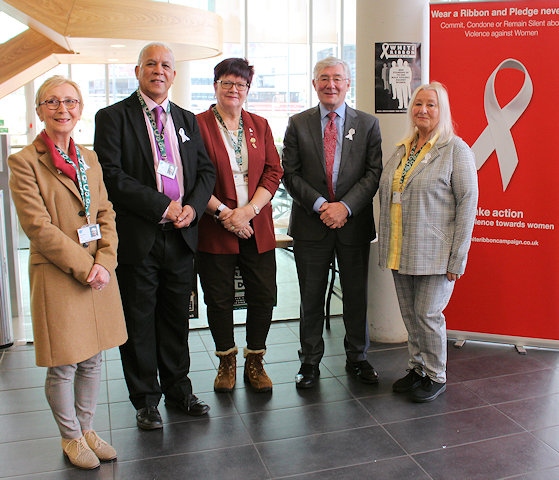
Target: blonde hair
[(445, 128), (56, 81)]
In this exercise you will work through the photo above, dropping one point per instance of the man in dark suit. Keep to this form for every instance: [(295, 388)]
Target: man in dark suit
[(332, 214), (159, 179)]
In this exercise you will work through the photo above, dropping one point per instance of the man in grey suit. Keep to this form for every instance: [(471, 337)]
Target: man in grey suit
[(332, 214)]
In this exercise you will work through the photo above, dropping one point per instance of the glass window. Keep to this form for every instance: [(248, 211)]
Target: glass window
[(122, 82), (277, 41), (89, 78), (13, 116)]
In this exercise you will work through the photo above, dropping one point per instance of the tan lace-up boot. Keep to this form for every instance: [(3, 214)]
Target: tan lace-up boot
[(227, 370), (79, 453), (254, 373)]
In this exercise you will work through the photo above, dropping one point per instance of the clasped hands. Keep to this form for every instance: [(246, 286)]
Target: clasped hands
[(237, 221), (333, 215), (98, 277), (180, 216)]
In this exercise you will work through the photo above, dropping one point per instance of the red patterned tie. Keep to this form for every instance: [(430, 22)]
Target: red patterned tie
[(330, 138), (170, 185)]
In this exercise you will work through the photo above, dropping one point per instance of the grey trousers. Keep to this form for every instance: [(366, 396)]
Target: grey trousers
[(422, 299), (72, 392)]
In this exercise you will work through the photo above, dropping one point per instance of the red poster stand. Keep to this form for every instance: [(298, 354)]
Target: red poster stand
[(498, 62)]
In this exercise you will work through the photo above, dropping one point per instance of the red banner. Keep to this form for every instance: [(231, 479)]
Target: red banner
[(498, 61)]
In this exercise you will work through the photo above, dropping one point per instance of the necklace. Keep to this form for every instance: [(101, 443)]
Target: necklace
[(411, 159), (238, 142)]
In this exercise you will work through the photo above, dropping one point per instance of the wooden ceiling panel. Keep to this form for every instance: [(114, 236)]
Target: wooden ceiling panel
[(86, 31), (25, 57)]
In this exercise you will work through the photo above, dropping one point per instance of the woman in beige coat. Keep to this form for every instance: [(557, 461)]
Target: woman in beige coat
[(62, 205)]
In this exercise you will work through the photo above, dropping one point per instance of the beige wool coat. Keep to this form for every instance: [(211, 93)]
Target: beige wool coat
[(71, 321)]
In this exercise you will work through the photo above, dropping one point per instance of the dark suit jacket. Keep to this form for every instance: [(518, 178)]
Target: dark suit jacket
[(264, 170), (123, 147), (358, 178)]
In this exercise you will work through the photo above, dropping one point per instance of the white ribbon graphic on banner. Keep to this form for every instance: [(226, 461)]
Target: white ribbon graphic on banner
[(496, 135)]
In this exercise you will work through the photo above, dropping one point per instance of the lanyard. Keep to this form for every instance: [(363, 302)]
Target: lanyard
[(159, 139), (411, 159), (83, 184), (236, 144)]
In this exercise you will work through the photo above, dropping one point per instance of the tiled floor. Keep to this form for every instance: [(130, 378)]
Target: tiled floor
[(498, 419)]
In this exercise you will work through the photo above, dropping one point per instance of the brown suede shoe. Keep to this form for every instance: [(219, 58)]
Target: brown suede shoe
[(254, 373), (227, 370), (79, 453), (102, 449)]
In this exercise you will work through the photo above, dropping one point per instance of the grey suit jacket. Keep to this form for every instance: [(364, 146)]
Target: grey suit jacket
[(358, 178), (439, 205)]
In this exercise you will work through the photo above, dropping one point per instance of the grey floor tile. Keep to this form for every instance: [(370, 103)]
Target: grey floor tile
[(308, 420), (227, 463), (490, 459), (533, 413), (391, 469), (176, 438), (316, 452), (451, 429), (516, 386), (497, 420)]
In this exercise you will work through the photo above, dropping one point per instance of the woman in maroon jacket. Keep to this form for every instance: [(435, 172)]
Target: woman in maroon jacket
[(237, 228)]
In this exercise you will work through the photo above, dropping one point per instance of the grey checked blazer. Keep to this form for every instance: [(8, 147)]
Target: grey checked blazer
[(439, 205)]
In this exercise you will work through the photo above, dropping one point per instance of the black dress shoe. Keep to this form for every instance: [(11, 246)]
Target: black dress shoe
[(190, 405), (307, 376), (362, 370), (148, 418)]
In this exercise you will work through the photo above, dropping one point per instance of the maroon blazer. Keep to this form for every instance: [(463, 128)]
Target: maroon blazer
[(264, 170)]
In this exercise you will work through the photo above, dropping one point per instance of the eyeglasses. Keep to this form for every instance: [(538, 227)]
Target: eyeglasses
[(54, 103), (227, 85), (337, 79)]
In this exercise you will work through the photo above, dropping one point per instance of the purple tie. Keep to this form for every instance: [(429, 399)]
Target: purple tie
[(170, 185), (330, 138)]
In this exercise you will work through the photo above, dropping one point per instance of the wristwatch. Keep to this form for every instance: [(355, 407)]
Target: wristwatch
[(255, 208), (219, 210)]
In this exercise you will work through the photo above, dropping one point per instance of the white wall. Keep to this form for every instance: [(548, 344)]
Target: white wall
[(386, 21)]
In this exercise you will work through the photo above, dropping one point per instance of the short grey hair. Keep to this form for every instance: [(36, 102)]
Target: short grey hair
[(330, 62), (155, 44)]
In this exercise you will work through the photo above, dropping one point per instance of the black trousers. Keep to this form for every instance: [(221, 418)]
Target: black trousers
[(313, 266), (155, 296), (217, 273)]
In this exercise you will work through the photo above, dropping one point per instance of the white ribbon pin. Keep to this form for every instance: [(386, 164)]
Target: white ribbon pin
[(496, 135), (350, 134), (184, 136)]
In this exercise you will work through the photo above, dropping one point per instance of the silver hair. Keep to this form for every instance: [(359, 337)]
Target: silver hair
[(155, 44), (330, 62), (445, 128)]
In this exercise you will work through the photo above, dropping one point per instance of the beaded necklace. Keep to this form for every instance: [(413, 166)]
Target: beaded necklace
[(238, 142)]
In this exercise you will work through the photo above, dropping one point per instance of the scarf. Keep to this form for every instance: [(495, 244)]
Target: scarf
[(57, 159)]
